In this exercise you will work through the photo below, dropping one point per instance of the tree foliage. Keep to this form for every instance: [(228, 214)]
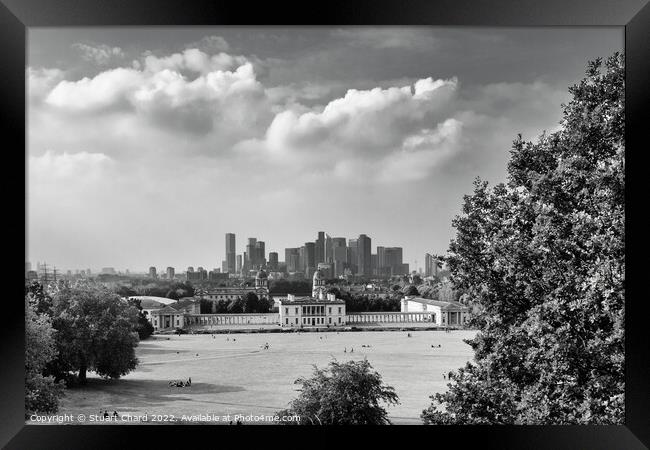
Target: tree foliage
[(348, 393), (542, 257), (96, 330), (42, 393)]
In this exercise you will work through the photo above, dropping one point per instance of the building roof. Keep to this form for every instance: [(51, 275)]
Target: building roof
[(261, 274), (310, 301), (150, 301), (439, 303)]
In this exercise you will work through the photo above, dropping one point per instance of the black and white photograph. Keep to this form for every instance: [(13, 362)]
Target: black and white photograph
[(325, 225)]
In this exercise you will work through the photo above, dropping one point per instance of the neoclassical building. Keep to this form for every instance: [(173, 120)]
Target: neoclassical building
[(443, 313), (322, 309), (233, 292)]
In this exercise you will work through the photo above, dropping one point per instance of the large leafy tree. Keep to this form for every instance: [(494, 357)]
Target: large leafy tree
[(348, 393), (96, 330), (542, 257), (42, 393)]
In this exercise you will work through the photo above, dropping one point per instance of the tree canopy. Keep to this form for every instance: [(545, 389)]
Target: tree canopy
[(96, 330), (348, 393), (542, 258)]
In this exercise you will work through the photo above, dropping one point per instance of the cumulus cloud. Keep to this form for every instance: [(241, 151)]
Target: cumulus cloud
[(231, 101), (41, 81), (419, 39), (371, 121), (101, 54), (211, 44)]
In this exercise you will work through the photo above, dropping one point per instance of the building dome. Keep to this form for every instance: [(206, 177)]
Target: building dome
[(261, 274)]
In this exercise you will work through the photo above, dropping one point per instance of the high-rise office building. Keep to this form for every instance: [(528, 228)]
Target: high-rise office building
[(292, 259), (310, 259), (319, 254), (251, 253), (170, 273), (239, 264), (260, 257), (393, 260), (224, 267), (339, 255), (364, 252), (430, 266), (374, 266), (273, 261), (152, 272), (230, 253), (353, 255), (329, 249)]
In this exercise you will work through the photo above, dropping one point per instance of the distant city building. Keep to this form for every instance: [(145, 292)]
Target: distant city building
[(170, 273), (292, 259), (339, 255), (108, 271), (152, 272), (353, 255), (199, 275), (273, 261), (230, 253), (224, 266), (309, 258), (329, 249), (364, 252), (319, 249), (238, 269), (430, 266), (31, 275), (28, 267)]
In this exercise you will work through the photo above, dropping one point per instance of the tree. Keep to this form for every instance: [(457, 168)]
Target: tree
[(42, 393), (543, 260), (251, 302), (144, 327), (236, 306), (96, 330), (342, 394), (411, 290)]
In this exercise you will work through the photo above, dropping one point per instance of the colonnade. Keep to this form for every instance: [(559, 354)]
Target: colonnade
[(390, 317)]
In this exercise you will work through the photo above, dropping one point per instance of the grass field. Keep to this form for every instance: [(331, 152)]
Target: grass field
[(233, 374)]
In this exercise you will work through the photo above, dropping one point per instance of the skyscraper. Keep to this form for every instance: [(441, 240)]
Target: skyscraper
[(329, 250), (292, 259), (339, 254), (353, 255), (170, 273), (152, 272), (238, 268), (230, 252), (430, 266), (260, 257), (273, 261), (319, 254), (251, 251), (364, 253), (310, 258)]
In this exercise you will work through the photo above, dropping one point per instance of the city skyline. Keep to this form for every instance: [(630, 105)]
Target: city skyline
[(146, 146)]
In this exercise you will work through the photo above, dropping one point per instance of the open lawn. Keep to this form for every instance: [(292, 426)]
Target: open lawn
[(233, 374)]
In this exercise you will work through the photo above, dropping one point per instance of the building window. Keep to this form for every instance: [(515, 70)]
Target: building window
[(296, 321), (286, 310), (296, 311), (330, 310), (339, 310), (286, 321), (339, 320), (330, 319)]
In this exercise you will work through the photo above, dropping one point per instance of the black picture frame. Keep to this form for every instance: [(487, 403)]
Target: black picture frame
[(634, 15)]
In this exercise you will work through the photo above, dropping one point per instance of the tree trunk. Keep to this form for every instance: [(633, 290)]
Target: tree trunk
[(82, 375)]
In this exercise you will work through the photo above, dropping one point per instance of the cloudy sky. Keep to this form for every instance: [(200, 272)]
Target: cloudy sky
[(147, 145)]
